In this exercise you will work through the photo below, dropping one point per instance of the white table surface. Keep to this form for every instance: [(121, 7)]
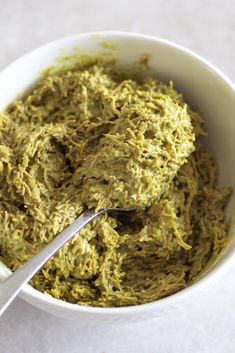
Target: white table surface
[(202, 324)]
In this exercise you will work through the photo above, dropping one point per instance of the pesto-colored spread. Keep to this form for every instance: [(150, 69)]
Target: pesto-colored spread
[(92, 137)]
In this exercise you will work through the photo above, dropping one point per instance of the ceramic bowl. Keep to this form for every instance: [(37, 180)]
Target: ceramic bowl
[(204, 87)]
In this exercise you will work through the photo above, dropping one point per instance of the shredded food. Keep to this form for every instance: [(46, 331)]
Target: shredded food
[(92, 137)]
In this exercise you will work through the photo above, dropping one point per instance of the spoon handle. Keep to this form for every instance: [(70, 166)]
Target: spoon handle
[(12, 285)]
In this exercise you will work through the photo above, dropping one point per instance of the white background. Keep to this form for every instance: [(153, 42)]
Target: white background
[(204, 323)]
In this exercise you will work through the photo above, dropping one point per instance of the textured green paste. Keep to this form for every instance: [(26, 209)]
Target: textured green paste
[(90, 137)]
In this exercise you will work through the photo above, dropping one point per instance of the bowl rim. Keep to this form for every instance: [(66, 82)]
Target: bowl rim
[(31, 294)]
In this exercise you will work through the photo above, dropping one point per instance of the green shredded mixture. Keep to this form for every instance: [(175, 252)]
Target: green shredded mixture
[(92, 138)]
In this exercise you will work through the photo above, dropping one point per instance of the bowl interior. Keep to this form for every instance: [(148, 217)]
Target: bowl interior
[(204, 88)]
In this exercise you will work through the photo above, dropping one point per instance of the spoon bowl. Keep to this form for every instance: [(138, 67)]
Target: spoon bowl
[(13, 284)]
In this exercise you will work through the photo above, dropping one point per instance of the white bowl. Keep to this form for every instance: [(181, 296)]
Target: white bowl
[(204, 87)]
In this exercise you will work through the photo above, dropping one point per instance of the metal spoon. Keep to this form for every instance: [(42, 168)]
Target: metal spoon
[(12, 285)]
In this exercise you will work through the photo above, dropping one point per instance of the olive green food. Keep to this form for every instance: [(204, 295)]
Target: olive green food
[(92, 137)]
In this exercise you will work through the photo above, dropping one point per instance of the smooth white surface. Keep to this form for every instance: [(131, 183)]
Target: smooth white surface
[(209, 324)]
